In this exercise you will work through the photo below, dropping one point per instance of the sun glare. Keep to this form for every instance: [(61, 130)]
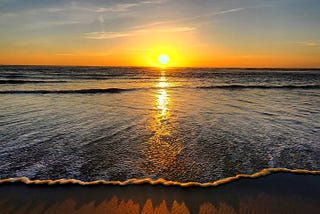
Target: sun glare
[(163, 59)]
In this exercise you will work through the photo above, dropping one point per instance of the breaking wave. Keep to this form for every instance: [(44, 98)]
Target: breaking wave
[(119, 90), (79, 91), (160, 181), (261, 87), (15, 82)]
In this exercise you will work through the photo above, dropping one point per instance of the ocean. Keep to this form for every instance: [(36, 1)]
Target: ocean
[(179, 124)]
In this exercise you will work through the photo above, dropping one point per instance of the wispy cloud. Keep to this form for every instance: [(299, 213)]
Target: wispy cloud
[(152, 27), (138, 32), (108, 35), (191, 18), (75, 12), (117, 7), (225, 11), (81, 7), (216, 13), (121, 7), (308, 43), (74, 6)]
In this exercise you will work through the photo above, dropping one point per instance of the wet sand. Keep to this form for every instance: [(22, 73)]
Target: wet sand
[(279, 192)]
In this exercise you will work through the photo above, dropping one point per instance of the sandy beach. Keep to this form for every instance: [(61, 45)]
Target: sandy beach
[(280, 192)]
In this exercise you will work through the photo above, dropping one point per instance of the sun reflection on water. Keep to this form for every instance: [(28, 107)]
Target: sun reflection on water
[(163, 82), (162, 148), (162, 97), (162, 103)]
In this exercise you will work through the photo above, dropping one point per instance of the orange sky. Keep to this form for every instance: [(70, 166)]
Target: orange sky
[(220, 34)]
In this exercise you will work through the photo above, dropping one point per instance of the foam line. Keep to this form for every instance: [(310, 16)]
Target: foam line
[(160, 181), (28, 81), (230, 87), (80, 91)]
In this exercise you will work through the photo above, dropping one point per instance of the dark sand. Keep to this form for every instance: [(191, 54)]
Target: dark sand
[(280, 192)]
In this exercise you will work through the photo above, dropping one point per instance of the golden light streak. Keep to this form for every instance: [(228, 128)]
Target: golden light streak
[(162, 102)]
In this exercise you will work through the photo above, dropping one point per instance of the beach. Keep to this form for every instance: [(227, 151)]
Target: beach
[(278, 192)]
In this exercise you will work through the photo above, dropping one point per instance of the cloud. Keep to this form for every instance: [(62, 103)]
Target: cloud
[(195, 17), (107, 35), (81, 6), (116, 7), (233, 10), (121, 7), (67, 13), (172, 29), (226, 11), (217, 13), (138, 32), (308, 43)]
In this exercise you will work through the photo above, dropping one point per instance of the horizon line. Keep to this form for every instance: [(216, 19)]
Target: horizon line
[(173, 67)]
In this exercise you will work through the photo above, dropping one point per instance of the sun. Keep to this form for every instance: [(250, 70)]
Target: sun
[(163, 59)]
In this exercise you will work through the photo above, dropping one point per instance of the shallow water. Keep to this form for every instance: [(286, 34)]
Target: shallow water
[(183, 124)]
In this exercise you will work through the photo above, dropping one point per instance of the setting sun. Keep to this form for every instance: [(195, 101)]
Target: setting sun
[(163, 59)]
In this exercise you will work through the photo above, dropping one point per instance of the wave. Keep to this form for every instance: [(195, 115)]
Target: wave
[(261, 87), (160, 181), (79, 91), (119, 90), (28, 81)]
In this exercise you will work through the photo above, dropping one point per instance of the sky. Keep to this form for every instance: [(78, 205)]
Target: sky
[(197, 33)]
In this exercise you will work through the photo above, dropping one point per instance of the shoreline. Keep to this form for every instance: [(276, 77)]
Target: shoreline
[(160, 181), (278, 192)]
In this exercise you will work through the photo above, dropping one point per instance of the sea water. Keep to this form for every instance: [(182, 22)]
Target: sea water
[(179, 124)]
